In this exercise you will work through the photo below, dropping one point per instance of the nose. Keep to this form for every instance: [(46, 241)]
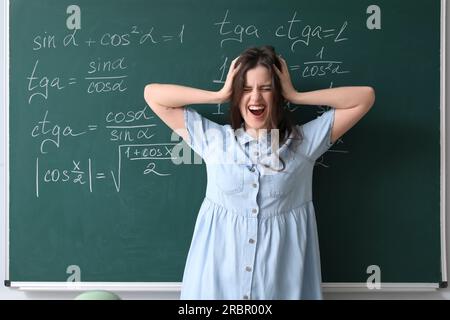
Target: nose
[(256, 94)]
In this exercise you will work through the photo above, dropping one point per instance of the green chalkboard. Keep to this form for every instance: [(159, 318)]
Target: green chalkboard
[(93, 193)]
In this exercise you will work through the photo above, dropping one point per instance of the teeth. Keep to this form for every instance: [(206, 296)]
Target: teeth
[(256, 107)]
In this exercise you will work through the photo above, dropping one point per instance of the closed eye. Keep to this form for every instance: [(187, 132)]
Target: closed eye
[(264, 88)]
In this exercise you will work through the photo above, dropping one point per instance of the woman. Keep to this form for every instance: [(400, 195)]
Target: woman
[(255, 235)]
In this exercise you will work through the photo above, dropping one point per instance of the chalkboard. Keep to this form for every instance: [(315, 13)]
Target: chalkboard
[(93, 193)]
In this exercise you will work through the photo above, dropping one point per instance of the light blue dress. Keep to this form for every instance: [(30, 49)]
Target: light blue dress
[(255, 236)]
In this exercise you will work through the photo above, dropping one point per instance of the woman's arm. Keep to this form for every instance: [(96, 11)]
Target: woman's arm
[(175, 96), (351, 103), (168, 100), (339, 98)]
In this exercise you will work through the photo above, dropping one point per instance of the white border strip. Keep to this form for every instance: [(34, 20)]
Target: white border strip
[(176, 286), (6, 119), (384, 287), (443, 142), (109, 286)]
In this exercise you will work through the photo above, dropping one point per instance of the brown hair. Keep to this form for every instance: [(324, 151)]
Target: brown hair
[(278, 117)]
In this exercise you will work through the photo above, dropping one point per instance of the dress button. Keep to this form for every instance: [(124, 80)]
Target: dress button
[(256, 153), (254, 210), (248, 269), (255, 185), (245, 297), (252, 241), (252, 169)]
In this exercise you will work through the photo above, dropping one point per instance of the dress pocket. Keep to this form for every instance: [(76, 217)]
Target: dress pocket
[(276, 185), (229, 178)]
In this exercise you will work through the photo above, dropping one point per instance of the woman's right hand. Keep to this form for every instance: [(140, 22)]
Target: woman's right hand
[(224, 94)]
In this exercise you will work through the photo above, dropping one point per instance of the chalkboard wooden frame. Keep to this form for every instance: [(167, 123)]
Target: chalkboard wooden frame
[(174, 287)]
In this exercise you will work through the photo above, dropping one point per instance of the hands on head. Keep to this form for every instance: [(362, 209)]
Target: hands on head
[(286, 83)]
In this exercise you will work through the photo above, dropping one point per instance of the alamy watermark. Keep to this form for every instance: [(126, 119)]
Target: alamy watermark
[(222, 146), (374, 280)]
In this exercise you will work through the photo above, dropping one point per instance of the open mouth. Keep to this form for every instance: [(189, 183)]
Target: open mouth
[(256, 110)]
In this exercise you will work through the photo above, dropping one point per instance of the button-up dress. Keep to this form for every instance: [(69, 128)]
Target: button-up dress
[(255, 235)]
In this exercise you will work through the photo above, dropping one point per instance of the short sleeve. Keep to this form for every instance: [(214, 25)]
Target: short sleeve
[(316, 135), (202, 132)]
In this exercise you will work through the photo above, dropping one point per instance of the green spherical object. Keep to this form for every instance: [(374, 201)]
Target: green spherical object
[(97, 295)]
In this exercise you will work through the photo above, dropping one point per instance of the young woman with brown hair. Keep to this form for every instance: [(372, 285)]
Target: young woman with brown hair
[(255, 235)]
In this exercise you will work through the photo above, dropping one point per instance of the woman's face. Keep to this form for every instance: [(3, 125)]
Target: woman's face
[(257, 97)]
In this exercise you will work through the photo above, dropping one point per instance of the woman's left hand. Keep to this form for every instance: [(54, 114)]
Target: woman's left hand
[(288, 89)]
